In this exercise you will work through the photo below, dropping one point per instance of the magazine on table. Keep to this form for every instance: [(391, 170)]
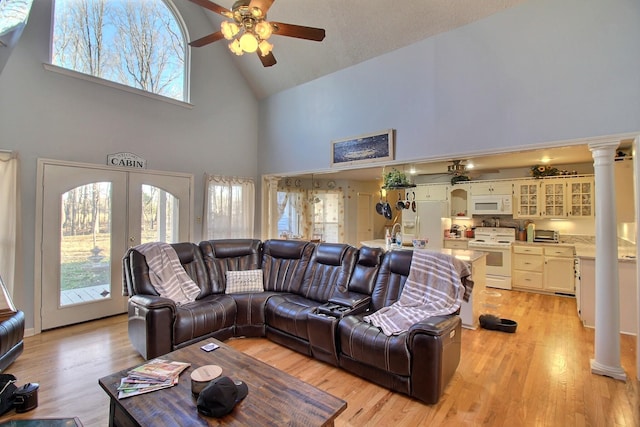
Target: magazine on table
[(151, 376)]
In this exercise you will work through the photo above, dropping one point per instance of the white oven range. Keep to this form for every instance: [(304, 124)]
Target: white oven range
[(496, 241)]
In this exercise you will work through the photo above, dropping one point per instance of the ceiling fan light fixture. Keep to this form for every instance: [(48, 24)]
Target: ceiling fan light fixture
[(234, 47), (248, 43), (265, 48), (229, 29), (256, 12), (248, 29), (264, 30)]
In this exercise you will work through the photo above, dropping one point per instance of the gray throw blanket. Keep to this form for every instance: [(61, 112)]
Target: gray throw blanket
[(166, 274), (434, 287)]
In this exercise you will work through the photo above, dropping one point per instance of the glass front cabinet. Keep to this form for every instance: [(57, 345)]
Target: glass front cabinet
[(526, 199), (557, 197)]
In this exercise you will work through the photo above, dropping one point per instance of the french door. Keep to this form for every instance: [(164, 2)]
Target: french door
[(89, 216)]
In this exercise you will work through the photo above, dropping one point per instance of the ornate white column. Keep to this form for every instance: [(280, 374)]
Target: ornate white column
[(607, 333)]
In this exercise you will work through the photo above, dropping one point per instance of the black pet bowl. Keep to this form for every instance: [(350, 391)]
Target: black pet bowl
[(494, 323)]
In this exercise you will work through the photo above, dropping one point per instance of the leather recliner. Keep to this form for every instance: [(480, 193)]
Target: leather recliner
[(157, 325)]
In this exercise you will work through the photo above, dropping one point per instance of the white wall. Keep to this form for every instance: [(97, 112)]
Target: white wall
[(47, 115), (540, 72)]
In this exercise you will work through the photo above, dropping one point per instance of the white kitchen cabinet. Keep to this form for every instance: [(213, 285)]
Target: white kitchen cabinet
[(527, 267), (554, 197), (628, 294), (559, 274), (526, 194), (430, 192), (580, 197), (491, 188), (546, 268), (455, 244), (460, 199)]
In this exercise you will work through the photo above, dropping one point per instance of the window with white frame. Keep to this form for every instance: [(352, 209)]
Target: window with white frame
[(311, 214), (229, 208), (327, 216), (289, 217), (141, 44)]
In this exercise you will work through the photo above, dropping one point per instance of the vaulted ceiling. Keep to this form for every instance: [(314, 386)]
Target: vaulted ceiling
[(356, 30)]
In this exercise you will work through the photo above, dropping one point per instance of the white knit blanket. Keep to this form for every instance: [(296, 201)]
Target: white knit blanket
[(166, 274), (433, 288)]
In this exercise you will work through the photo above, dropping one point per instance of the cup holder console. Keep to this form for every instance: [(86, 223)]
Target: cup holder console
[(334, 310)]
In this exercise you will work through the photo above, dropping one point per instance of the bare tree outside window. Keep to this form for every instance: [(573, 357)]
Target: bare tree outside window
[(138, 43)]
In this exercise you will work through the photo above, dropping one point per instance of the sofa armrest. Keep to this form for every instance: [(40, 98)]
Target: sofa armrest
[(434, 326), (353, 300), (435, 347), (150, 324), (152, 302)]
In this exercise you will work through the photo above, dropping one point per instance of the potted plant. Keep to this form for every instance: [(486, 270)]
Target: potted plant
[(395, 179)]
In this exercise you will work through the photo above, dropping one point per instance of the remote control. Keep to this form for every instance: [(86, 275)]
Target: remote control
[(210, 346)]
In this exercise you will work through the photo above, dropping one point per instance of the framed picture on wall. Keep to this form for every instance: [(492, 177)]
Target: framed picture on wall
[(373, 147)]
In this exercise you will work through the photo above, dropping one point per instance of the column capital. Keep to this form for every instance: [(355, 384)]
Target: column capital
[(604, 145)]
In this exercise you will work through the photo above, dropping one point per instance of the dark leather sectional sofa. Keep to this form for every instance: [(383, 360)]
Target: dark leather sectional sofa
[(11, 339), (314, 298)]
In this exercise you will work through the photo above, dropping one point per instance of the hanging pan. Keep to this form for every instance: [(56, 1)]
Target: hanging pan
[(387, 210), (380, 206)]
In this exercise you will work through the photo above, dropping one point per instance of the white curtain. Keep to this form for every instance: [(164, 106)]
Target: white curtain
[(229, 209), (9, 218), (325, 215)]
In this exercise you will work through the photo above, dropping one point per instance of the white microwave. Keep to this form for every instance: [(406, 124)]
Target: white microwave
[(500, 204)]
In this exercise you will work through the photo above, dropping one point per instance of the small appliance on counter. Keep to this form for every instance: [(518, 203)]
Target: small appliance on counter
[(531, 231), (546, 236)]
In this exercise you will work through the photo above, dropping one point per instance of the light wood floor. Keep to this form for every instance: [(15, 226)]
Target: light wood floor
[(538, 376)]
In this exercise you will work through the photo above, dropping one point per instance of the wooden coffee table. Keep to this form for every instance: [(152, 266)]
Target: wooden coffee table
[(275, 397)]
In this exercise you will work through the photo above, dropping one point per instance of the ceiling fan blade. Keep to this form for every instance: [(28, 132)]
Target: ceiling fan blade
[(298, 31), (267, 61), (207, 39), (263, 5), (213, 7)]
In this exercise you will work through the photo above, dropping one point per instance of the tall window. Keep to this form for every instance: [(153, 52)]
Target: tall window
[(327, 216), (229, 207), (290, 213), (140, 44), (311, 214)]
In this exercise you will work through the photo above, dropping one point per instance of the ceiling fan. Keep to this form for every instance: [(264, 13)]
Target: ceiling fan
[(250, 30), (456, 168)]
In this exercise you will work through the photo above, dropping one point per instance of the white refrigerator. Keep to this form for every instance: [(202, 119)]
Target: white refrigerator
[(429, 221)]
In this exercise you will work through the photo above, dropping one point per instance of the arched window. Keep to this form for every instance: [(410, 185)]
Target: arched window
[(141, 44)]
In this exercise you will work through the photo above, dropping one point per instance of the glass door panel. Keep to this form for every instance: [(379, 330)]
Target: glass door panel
[(160, 208), (160, 215), (85, 244), (81, 273)]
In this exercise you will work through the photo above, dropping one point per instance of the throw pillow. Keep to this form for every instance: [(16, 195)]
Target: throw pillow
[(244, 281)]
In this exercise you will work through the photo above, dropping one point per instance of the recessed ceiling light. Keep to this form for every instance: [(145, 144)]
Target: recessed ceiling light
[(469, 165), (545, 159)]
